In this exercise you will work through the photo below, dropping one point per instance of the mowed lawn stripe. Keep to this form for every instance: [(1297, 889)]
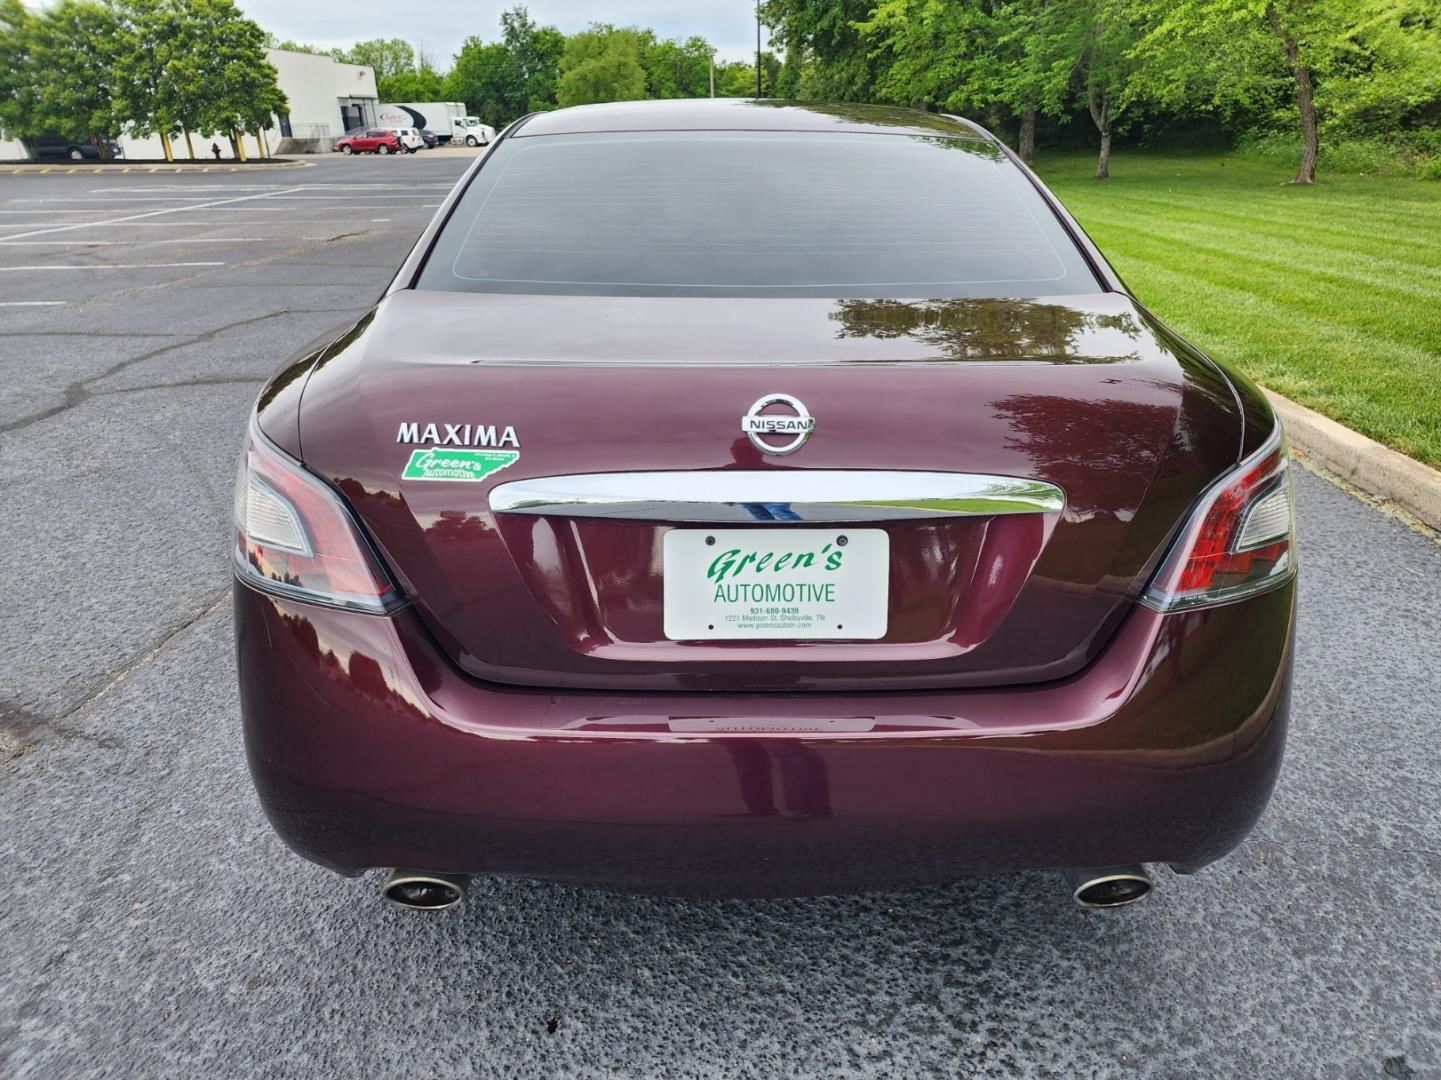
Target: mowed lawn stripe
[(1330, 295), (1399, 276), (1401, 244), (1398, 309), (1314, 360)]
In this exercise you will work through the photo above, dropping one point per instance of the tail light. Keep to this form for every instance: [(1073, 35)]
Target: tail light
[(1238, 539), (294, 537)]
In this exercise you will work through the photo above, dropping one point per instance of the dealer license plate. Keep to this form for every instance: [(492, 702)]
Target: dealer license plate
[(801, 584)]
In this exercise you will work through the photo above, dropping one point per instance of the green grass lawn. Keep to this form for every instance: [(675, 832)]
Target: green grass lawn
[(1330, 295)]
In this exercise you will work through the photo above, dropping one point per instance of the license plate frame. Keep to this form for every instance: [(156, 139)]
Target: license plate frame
[(712, 590)]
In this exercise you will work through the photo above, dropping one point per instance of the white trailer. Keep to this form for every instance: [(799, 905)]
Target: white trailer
[(438, 117)]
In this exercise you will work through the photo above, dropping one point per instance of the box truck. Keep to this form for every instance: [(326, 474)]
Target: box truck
[(438, 117)]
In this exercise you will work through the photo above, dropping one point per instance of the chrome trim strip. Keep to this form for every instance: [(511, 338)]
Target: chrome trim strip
[(776, 496)]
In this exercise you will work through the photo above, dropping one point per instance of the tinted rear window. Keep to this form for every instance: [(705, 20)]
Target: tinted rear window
[(754, 213)]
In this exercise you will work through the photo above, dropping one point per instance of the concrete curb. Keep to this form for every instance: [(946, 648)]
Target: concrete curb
[(175, 167), (1378, 470)]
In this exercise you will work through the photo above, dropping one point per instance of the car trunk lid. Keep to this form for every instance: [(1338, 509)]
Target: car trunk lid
[(1082, 395)]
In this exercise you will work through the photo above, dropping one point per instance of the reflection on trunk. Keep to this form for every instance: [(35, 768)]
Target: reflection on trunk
[(994, 329), (1122, 439)]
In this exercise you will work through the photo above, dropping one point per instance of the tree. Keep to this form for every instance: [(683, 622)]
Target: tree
[(237, 87), (502, 80), (675, 69), (1390, 78), (402, 73), (826, 32), (736, 78), (20, 109), (191, 65), (58, 73), (158, 45), (790, 77), (1348, 65), (483, 77), (601, 64), (272, 42), (965, 57), (1076, 53), (537, 51), (422, 84), (387, 57)]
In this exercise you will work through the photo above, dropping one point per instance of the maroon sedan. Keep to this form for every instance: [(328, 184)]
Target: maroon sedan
[(750, 498)]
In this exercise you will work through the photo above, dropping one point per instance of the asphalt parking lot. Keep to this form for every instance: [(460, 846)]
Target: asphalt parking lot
[(152, 924)]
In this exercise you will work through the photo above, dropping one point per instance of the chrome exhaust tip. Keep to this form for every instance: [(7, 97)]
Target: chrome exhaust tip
[(421, 890), (1109, 887)]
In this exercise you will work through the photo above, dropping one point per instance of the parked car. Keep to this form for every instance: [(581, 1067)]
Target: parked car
[(800, 504), (410, 139), (430, 138), (77, 148), (370, 141)]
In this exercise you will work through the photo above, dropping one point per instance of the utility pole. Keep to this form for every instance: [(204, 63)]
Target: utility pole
[(758, 48), (712, 74)]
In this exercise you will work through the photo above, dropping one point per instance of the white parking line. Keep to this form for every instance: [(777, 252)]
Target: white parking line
[(146, 214), (334, 220), (269, 187), (351, 198), (33, 303), (250, 209), (91, 199), (167, 240), (109, 266)]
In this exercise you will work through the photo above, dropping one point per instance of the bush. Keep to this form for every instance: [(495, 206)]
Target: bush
[(1414, 153)]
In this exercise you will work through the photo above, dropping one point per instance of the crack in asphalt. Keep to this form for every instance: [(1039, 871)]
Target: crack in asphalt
[(199, 380), (39, 987), (18, 723), (79, 392)]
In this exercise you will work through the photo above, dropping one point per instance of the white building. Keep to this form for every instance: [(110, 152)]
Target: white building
[(327, 98)]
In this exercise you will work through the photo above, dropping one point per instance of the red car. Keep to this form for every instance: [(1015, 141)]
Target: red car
[(370, 141), (749, 498)]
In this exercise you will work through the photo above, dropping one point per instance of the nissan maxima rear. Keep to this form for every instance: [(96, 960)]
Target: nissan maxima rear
[(750, 498)]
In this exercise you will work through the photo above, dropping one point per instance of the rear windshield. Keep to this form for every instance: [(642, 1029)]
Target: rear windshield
[(753, 213)]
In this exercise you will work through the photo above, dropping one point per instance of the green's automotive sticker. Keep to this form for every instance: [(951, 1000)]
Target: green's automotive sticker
[(467, 466)]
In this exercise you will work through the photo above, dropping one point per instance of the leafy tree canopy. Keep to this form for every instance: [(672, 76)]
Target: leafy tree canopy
[(601, 64), (502, 80), (387, 57)]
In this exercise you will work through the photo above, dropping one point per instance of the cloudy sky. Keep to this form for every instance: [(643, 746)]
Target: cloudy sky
[(442, 25)]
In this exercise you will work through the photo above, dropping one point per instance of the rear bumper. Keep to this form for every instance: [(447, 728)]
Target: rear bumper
[(369, 750)]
